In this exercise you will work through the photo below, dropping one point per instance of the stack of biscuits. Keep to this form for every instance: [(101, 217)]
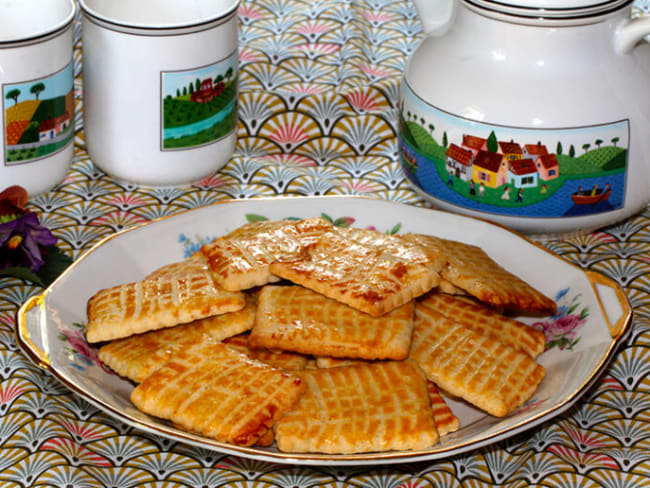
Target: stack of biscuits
[(322, 339)]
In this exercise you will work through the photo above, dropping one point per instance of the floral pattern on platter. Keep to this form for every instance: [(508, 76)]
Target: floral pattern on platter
[(80, 353), (561, 330), (191, 247)]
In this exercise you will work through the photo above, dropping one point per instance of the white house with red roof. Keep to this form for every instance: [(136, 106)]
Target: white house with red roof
[(459, 162), (51, 128)]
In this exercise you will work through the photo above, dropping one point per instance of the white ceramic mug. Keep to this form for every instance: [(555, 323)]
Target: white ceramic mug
[(160, 87), (36, 85)]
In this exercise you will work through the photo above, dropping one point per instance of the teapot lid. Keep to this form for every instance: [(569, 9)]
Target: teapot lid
[(557, 9)]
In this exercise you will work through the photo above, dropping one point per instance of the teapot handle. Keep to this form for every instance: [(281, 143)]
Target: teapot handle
[(436, 15), (630, 33)]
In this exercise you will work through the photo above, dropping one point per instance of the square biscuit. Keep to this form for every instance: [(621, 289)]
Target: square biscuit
[(468, 267), (363, 277), (194, 264), (294, 318), (137, 356), (477, 368), (484, 320), (241, 259), (134, 308), (289, 361), (381, 406), (395, 245), (218, 392)]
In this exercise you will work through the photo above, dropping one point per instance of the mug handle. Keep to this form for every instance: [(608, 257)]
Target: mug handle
[(630, 33)]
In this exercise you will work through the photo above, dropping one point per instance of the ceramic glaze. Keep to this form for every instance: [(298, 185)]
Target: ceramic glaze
[(529, 121)]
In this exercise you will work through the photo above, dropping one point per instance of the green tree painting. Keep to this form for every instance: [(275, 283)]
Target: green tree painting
[(37, 89), (492, 144), (13, 94)]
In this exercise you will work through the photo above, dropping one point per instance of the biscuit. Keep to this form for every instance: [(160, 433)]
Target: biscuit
[(395, 245), (138, 356), (468, 267), (366, 278), (485, 321), (446, 287), (276, 358), (293, 318), (381, 406), (193, 264), (444, 418), (241, 259), (219, 393), (329, 362), (134, 308), (477, 368)]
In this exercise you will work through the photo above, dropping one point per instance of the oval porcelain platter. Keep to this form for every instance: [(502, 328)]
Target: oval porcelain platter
[(593, 315)]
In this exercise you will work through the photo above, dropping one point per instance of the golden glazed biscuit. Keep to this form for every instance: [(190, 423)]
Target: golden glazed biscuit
[(485, 321), (366, 278), (218, 392), (471, 269), (395, 245), (444, 418), (138, 356), (381, 406), (148, 305), (194, 264), (241, 259), (276, 358), (446, 287), (293, 318), (477, 368)]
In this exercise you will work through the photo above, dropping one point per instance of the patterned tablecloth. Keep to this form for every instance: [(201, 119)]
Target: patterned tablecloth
[(318, 89)]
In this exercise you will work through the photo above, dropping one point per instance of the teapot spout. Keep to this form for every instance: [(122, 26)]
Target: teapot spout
[(436, 15)]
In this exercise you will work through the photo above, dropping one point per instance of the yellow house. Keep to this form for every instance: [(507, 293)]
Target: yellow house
[(488, 169)]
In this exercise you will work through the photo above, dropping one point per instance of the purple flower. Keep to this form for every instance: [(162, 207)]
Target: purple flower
[(21, 240)]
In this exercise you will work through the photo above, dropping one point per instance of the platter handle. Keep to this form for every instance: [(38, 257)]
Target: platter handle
[(613, 303), (23, 339)]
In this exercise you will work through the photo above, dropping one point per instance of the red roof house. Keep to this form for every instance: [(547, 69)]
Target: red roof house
[(547, 166)]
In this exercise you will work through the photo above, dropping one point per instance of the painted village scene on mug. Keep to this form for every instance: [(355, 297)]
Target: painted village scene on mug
[(513, 171), (38, 117), (199, 106)]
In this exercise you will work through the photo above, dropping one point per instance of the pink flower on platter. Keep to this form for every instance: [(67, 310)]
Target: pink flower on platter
[(565, 325), (80, 349)]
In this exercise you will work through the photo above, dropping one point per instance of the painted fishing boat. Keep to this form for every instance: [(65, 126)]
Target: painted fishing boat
[(590, 198)]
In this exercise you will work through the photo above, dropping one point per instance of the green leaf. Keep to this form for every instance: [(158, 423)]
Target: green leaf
[(395, 229), (255, 218), (22, 273), (327, 217), (56, 261), (572, 308), (344, 222)]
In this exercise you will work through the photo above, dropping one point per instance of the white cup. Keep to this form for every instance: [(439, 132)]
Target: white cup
[(36, 86), (160, 87)]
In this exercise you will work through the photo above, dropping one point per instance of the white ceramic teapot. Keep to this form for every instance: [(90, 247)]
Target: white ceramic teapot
[(529, 113)]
